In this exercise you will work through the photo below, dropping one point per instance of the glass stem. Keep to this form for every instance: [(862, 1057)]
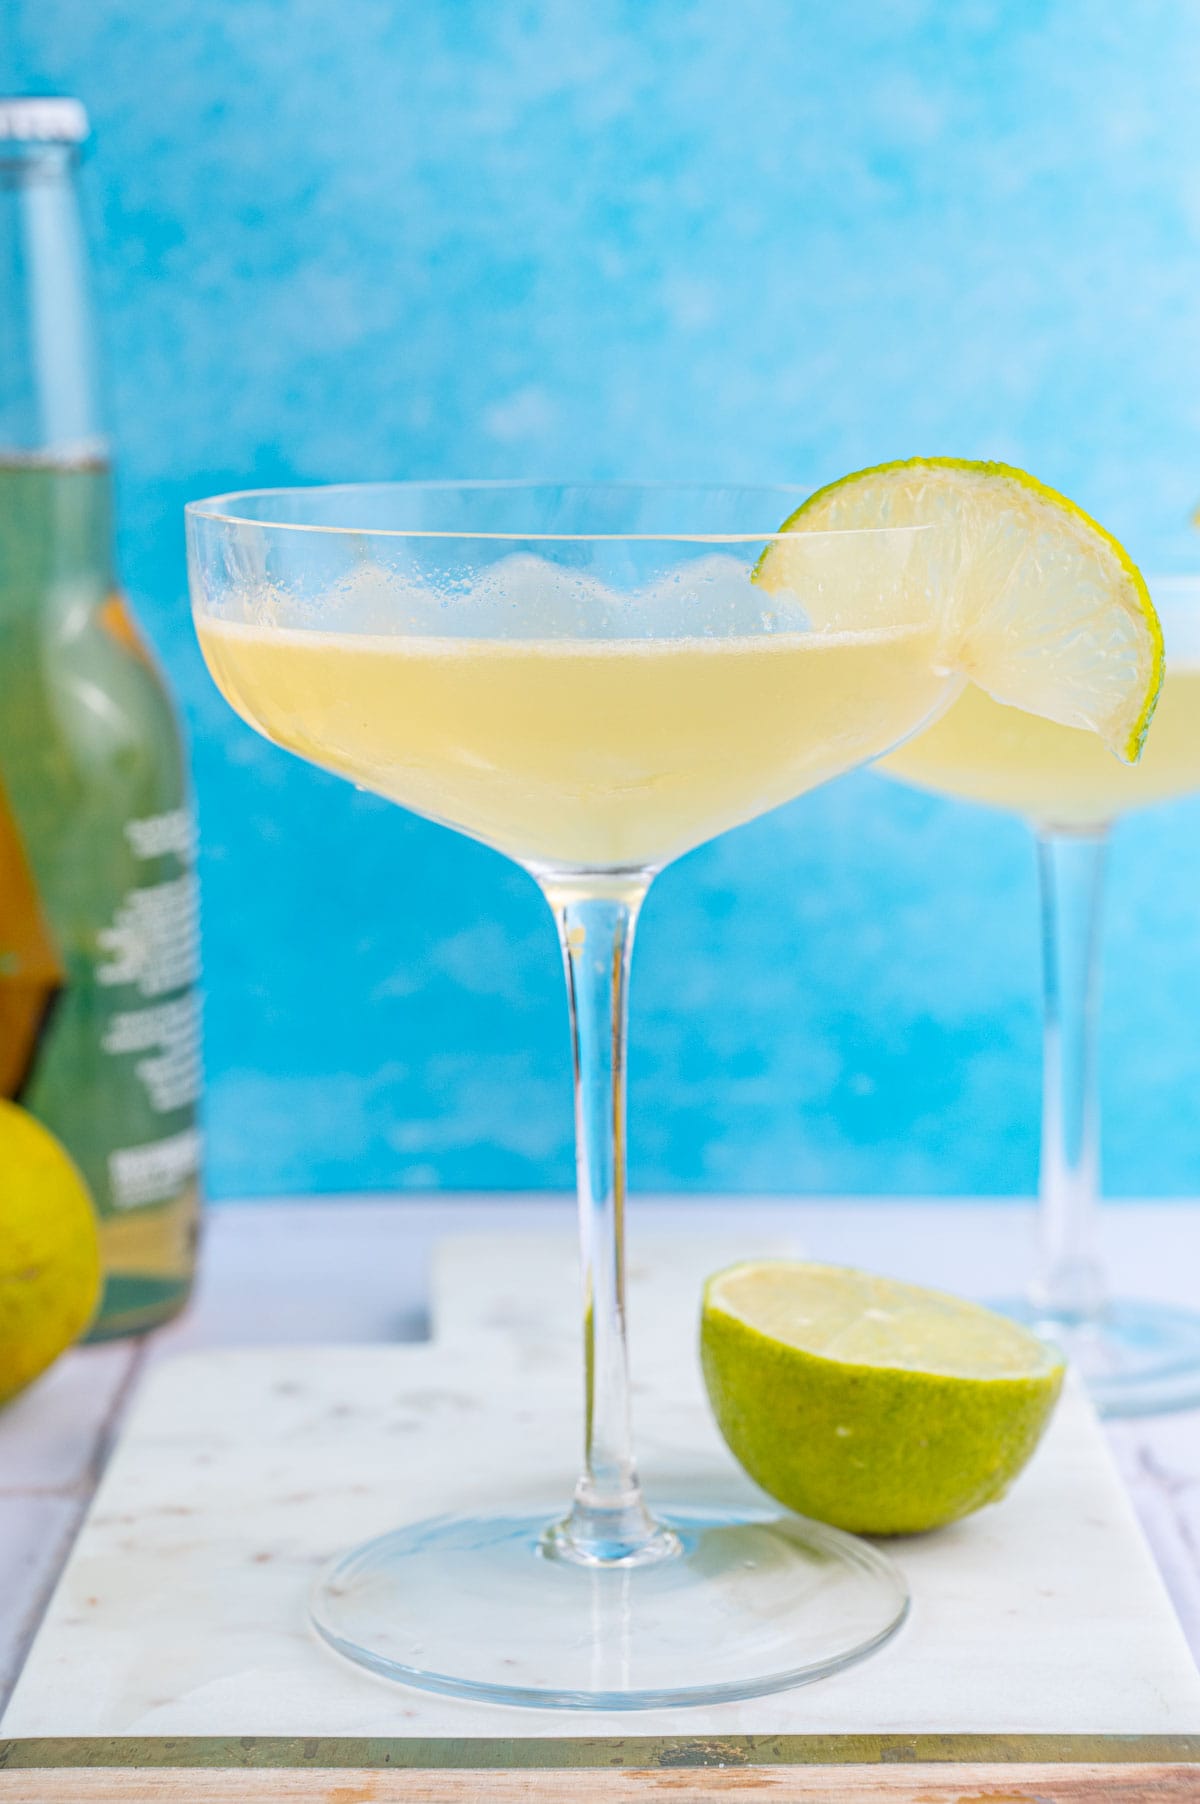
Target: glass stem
[(609, 1523), (1069, 1286)]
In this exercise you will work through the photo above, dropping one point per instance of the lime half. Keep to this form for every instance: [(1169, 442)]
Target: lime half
[(880, 1407), (1042, 608)]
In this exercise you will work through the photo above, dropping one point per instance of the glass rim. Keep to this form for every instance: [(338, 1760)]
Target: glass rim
[(216, 508)]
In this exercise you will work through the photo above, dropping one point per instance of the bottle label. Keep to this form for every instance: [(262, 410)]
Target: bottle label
[(169, 1037), (139, 1175), (153, 941), (123, 1055), (151, 948)]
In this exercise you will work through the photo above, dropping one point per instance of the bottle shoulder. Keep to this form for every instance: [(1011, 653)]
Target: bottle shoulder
[(90, 679), (89, 742)]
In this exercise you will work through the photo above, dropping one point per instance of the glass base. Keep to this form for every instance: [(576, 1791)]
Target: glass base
[(482, 1607), (1137, 1359)]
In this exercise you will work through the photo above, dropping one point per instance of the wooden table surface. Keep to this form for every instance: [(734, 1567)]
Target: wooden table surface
[(349, 1269)]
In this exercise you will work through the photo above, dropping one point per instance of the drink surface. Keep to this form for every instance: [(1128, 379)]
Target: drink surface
[(982, 751), (581, 753), (93, 788)]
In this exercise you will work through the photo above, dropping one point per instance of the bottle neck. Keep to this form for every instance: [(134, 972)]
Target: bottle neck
[(49, 411)]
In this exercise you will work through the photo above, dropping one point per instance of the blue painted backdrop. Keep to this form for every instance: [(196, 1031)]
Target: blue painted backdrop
[(768, 240)]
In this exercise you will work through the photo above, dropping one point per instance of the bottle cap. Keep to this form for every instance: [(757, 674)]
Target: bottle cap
[(45, 119)]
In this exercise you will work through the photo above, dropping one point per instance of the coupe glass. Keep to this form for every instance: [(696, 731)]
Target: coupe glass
[(588, 679), (1137, 1356)]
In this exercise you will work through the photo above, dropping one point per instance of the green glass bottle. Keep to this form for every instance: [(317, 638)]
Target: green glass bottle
[(98, 942)]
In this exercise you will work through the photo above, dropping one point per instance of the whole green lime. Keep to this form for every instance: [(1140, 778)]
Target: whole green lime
[(878, 1406)]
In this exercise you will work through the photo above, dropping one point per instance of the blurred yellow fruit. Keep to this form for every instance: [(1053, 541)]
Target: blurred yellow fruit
[(50, 1270)]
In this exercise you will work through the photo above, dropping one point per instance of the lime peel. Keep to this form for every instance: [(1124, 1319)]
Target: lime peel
[(881, 1407)]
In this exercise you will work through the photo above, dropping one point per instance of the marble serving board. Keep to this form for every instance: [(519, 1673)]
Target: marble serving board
[(182, 1610)]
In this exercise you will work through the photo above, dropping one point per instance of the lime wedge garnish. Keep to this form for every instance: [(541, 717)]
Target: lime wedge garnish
[(878, 1406), (1042, 607)]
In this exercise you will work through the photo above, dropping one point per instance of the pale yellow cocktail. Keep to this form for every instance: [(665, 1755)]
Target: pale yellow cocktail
[(592, 754), (1057, 776)]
